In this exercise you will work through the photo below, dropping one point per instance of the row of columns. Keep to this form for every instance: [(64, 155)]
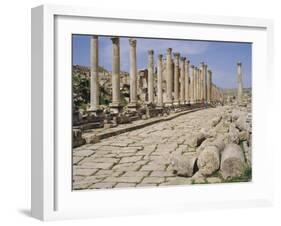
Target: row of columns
[(188, 88)]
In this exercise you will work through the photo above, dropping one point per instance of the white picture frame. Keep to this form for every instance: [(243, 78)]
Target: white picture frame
[(51, 197)]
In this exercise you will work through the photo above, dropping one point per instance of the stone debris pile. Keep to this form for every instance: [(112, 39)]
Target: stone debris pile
[(223, 147)]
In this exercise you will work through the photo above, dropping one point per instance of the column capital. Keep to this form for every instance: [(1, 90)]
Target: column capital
[(188, 61), (176, 55), (239, 63), (192, 66), (115, 40), (183, 58), (150, 52), (133, 42), (94, 36), (160, 56), (169, 50)]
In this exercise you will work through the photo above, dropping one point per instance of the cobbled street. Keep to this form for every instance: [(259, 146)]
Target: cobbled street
[(140, 157)]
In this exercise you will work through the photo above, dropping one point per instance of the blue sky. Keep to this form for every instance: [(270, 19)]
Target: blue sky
[(221, 57)]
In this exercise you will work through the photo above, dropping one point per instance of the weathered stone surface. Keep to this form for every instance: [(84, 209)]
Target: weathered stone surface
[(146, 152), (153, 180), (136, 174), (184, 165), (152, 167), (209, 160), (241, 123), (84, 172), (233, 135), (195, 140), (232, 161), (158, 173), (131, 159), (98, 165), (213, 180), (244, 135), (123, 179), (83, 153), (177, 181), (216, 120), (102, 185), (125, 185)]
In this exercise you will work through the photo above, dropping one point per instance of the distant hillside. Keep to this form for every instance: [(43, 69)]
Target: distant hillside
[(81, 86)]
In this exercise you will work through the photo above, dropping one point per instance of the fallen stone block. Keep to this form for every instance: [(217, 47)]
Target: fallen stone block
[(184, 165), (209, 160), (241, 123), (232, 161), (216, 120)]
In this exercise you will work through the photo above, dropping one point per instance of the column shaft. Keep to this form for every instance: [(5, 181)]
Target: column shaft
[(169, 77), (239, 82), (176, 78), (159, 81), (133, 73), (115, 73), (187, 86), (150, 76), (192, 85), (182, 80), (94, 96), (209, 86)]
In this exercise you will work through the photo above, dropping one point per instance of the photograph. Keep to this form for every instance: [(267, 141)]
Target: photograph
[(149, 112)]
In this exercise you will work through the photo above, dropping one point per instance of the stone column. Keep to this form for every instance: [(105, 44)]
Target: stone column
[(94, 98), (209, 87), (133, 74), (239, 83), (197, 85), (182, 80), (202, 70), (159, 81), (150, 75), (116, 103), (176, 78), (192, 85), (205, 81), (186, 81), (169, 77)]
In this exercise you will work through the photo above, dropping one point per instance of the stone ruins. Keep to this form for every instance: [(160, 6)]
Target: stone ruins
[(170, 85), (177, 126)]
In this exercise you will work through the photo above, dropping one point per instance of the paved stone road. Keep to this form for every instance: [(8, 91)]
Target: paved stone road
[(140, 157)]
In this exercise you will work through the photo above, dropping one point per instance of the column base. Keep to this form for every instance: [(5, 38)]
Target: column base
[(168, 104), (132, 106), (116, 107), (176, 103), (159, 106), (96, 112)]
